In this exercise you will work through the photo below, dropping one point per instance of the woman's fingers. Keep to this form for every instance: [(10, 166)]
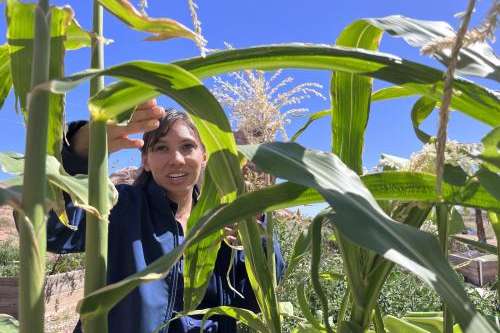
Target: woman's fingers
[(124, 143)]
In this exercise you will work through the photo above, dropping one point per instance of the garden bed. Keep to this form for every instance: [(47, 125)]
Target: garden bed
[(62, 292)]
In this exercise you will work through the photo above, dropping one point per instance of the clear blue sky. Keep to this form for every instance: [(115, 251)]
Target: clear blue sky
[(255, 22)]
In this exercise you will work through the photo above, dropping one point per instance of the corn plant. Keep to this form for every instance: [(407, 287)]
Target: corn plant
[(371, 240)]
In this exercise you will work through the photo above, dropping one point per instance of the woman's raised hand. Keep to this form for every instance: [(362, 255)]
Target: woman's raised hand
[(145, 118)]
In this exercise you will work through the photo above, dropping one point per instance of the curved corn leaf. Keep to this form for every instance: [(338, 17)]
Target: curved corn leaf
[(388, 185), (8, 324), (223, 164), (243, 316), (422, 108), (77, 37), (317, 224), (160, 28), (20, 34), (199, 258), (476, 59), (379, 95), (75, 186), (491, 154), (471, 99), (394, 324), (478, 245), (315, 116), (391, 93), (246, 205), (5, 77), (306, 308), (356, 209), (301, 248), (351, 99), (475, 101), (351, 95)]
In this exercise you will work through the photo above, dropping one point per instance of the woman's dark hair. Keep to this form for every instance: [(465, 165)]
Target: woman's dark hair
[(151, 138)]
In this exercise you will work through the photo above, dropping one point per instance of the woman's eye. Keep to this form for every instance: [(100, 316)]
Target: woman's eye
[(160, 148), (188, 146)]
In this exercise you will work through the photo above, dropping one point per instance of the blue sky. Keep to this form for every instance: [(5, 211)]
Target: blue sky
[(256, 22)]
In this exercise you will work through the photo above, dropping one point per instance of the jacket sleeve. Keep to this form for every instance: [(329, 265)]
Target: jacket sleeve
[(61, 239), (242, 281)]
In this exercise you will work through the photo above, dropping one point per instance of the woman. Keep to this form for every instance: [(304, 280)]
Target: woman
[(150, 219)]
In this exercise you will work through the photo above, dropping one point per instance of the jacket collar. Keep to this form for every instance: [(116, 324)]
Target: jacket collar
[(159, 200)]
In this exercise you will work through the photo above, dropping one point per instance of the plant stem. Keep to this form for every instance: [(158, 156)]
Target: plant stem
[(344, 305), (315, 259), (495, 223), (96, 237), (443, 231), (271, 262), (32, 230), (447, 94), (377, 320)]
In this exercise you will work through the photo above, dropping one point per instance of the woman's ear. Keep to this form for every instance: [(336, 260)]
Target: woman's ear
[(204, 161), (144, 161)]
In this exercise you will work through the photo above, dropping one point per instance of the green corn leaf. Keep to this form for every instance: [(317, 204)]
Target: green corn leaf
[(417, 78), (243, 316), (77, 37), (491, 154), (75, 186), (315, 116), (20, 34), (317, 224), (380, 95), (391, 92), (478, 245), (422, 108), (223, 163), (355, 209), (396, 325), (351, 99), (351, 95), (5, 77), (306, 308), (475, 59), (160, 28), (199, 258), (8, 324), (301, 248), (430, 324), (469, 98), (490, 181)]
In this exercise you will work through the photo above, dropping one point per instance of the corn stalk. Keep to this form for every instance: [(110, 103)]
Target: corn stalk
[(32, 228), (96, 237)]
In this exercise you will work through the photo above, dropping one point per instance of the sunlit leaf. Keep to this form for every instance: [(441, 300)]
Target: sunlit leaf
[(351, 96), (355, 209), (315, 116), (491, 153), (75, 186), (420, 111), (476, 59), (160, 28), (5, 76)]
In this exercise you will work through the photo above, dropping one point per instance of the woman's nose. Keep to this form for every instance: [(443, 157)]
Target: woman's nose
[(176, 158)]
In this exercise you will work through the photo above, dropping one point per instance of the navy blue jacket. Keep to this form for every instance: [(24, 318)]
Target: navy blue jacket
[(142, 228)]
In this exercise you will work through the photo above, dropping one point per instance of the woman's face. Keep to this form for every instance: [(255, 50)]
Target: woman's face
[(176, 161)]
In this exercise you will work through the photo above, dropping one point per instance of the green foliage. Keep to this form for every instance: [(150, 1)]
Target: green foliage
[(62, 263), (401, 293)]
